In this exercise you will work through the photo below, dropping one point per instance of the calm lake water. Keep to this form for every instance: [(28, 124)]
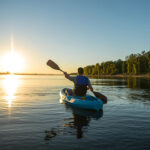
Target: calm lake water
[(32, 117)]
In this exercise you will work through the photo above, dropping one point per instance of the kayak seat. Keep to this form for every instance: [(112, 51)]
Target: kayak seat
[(69, 92)]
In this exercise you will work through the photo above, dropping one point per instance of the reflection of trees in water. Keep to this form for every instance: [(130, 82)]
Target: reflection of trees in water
[(139, 88), (109, 82), (135, 83), (78, 122), (140, 83)]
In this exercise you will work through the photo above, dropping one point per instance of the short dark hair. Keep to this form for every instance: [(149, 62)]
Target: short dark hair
[(80, 70)]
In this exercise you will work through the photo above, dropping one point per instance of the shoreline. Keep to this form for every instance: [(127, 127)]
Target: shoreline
[(90, 76), (121, 76), (31, 74)]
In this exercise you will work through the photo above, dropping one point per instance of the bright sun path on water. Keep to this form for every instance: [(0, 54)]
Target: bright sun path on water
[(10, 85), (11, 62)]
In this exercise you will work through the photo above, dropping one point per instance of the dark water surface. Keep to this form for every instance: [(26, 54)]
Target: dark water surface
[(31, 116)]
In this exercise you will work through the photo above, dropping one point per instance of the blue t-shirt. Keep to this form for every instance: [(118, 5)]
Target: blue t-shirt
[(80, 80), (80, 84)]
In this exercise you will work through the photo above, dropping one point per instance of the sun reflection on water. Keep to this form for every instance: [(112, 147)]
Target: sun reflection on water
[(10, 85)]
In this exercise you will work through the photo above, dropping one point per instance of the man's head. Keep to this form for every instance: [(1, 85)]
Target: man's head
[(80, 71)]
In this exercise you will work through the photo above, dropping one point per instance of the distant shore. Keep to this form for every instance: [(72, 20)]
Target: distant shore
[(122, 76), (90, 76), (30, 74)]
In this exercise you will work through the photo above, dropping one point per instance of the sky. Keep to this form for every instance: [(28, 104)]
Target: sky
[(73, 33)]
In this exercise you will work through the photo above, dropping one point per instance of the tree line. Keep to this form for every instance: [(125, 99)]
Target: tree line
[(133, 64)]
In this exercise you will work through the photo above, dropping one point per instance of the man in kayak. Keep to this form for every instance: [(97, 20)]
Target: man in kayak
[(81, 83)]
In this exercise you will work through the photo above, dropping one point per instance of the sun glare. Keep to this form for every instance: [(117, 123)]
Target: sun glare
[(10, 84), (13, 62)]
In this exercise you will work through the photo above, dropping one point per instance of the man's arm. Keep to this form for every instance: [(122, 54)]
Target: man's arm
[(90, 86), (69, 77)]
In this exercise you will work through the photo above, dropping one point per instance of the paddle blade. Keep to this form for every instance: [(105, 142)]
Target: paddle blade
[(53, 65), (100, 96)]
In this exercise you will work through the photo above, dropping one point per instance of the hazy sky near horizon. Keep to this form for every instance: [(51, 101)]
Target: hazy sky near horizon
[(73, 33)]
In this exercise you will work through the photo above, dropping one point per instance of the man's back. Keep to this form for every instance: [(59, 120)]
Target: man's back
[(80, 88), (81, 83)]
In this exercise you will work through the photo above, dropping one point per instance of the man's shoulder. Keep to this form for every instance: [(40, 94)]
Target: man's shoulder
[(86, 77)]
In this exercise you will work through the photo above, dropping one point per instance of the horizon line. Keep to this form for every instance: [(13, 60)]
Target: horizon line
[(8, 73)]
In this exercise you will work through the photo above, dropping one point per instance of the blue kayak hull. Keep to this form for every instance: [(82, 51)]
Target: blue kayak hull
[(86, 102)]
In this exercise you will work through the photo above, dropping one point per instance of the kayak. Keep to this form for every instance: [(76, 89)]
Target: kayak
[(84, 102)]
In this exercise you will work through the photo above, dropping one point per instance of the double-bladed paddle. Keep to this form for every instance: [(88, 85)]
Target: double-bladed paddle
[(53, 65)]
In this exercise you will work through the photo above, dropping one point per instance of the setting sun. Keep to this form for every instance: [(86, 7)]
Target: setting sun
[(13, 62)]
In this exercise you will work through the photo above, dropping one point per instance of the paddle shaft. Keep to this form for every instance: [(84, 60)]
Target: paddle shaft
[(62, 71)]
